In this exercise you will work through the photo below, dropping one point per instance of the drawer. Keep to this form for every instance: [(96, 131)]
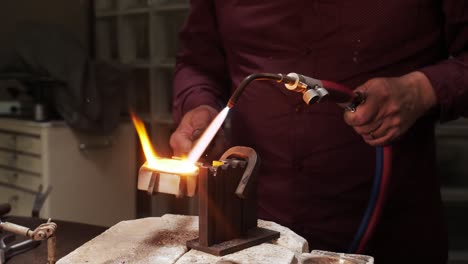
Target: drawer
[(7, 141), (21, 202), (28, 144), (21, 162), (7, 159), (22, 143), (29, 163), (20, 179)]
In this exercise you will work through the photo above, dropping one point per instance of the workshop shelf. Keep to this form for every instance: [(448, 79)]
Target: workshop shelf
[(143, 36)]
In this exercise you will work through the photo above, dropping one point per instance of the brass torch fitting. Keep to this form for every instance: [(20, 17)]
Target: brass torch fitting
[(312, 89)]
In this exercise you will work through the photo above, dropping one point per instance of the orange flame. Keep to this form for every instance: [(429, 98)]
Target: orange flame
[(153, 161), (150, 154)]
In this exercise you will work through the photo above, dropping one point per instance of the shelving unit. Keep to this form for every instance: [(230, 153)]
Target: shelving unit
[(142, 34), (452, 149)]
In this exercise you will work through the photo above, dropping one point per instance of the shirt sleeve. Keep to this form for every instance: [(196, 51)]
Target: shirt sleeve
[(449, 78), (200, 76)]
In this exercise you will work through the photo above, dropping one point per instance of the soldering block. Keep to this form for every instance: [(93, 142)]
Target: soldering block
[(288, 238), (261, 254), (163, 239), (179, 185), (148, 240)]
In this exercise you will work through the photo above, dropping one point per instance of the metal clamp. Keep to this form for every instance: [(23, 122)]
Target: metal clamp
[(251, 157)]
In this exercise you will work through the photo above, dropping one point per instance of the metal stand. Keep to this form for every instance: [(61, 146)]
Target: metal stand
[(227, 205)]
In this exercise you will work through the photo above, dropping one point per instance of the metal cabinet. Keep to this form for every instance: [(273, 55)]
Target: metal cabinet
[(452, 151), (92, 179)]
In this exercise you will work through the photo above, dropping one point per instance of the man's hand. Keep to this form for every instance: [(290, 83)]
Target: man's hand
[(392, 106), (190, 129)]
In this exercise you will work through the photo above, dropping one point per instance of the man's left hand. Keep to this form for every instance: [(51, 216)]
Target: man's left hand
[(391, 107)]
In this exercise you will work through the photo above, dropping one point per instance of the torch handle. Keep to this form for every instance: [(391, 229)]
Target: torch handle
[(14, 228)]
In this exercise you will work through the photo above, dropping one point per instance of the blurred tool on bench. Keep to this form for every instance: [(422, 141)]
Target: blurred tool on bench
[(45, 231)]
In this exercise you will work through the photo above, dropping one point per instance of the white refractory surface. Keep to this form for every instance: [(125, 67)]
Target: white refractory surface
[(148, 240), (261, 254), (288, 238), (161, 240)]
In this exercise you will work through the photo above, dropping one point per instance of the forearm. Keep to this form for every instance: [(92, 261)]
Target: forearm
[(423, 89), (449, 80)]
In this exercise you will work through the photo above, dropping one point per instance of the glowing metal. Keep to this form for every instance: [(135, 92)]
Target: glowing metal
[(175, 166)]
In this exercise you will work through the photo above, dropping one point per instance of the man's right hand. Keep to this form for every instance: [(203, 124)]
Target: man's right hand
[(190, 129)]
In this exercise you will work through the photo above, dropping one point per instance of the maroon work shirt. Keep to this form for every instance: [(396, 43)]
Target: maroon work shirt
[(316, 171)]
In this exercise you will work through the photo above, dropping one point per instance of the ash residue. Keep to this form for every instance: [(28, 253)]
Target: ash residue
[(170, 237), (177, 230)]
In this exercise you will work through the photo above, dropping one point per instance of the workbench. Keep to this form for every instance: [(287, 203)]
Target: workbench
[(70, 236)]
